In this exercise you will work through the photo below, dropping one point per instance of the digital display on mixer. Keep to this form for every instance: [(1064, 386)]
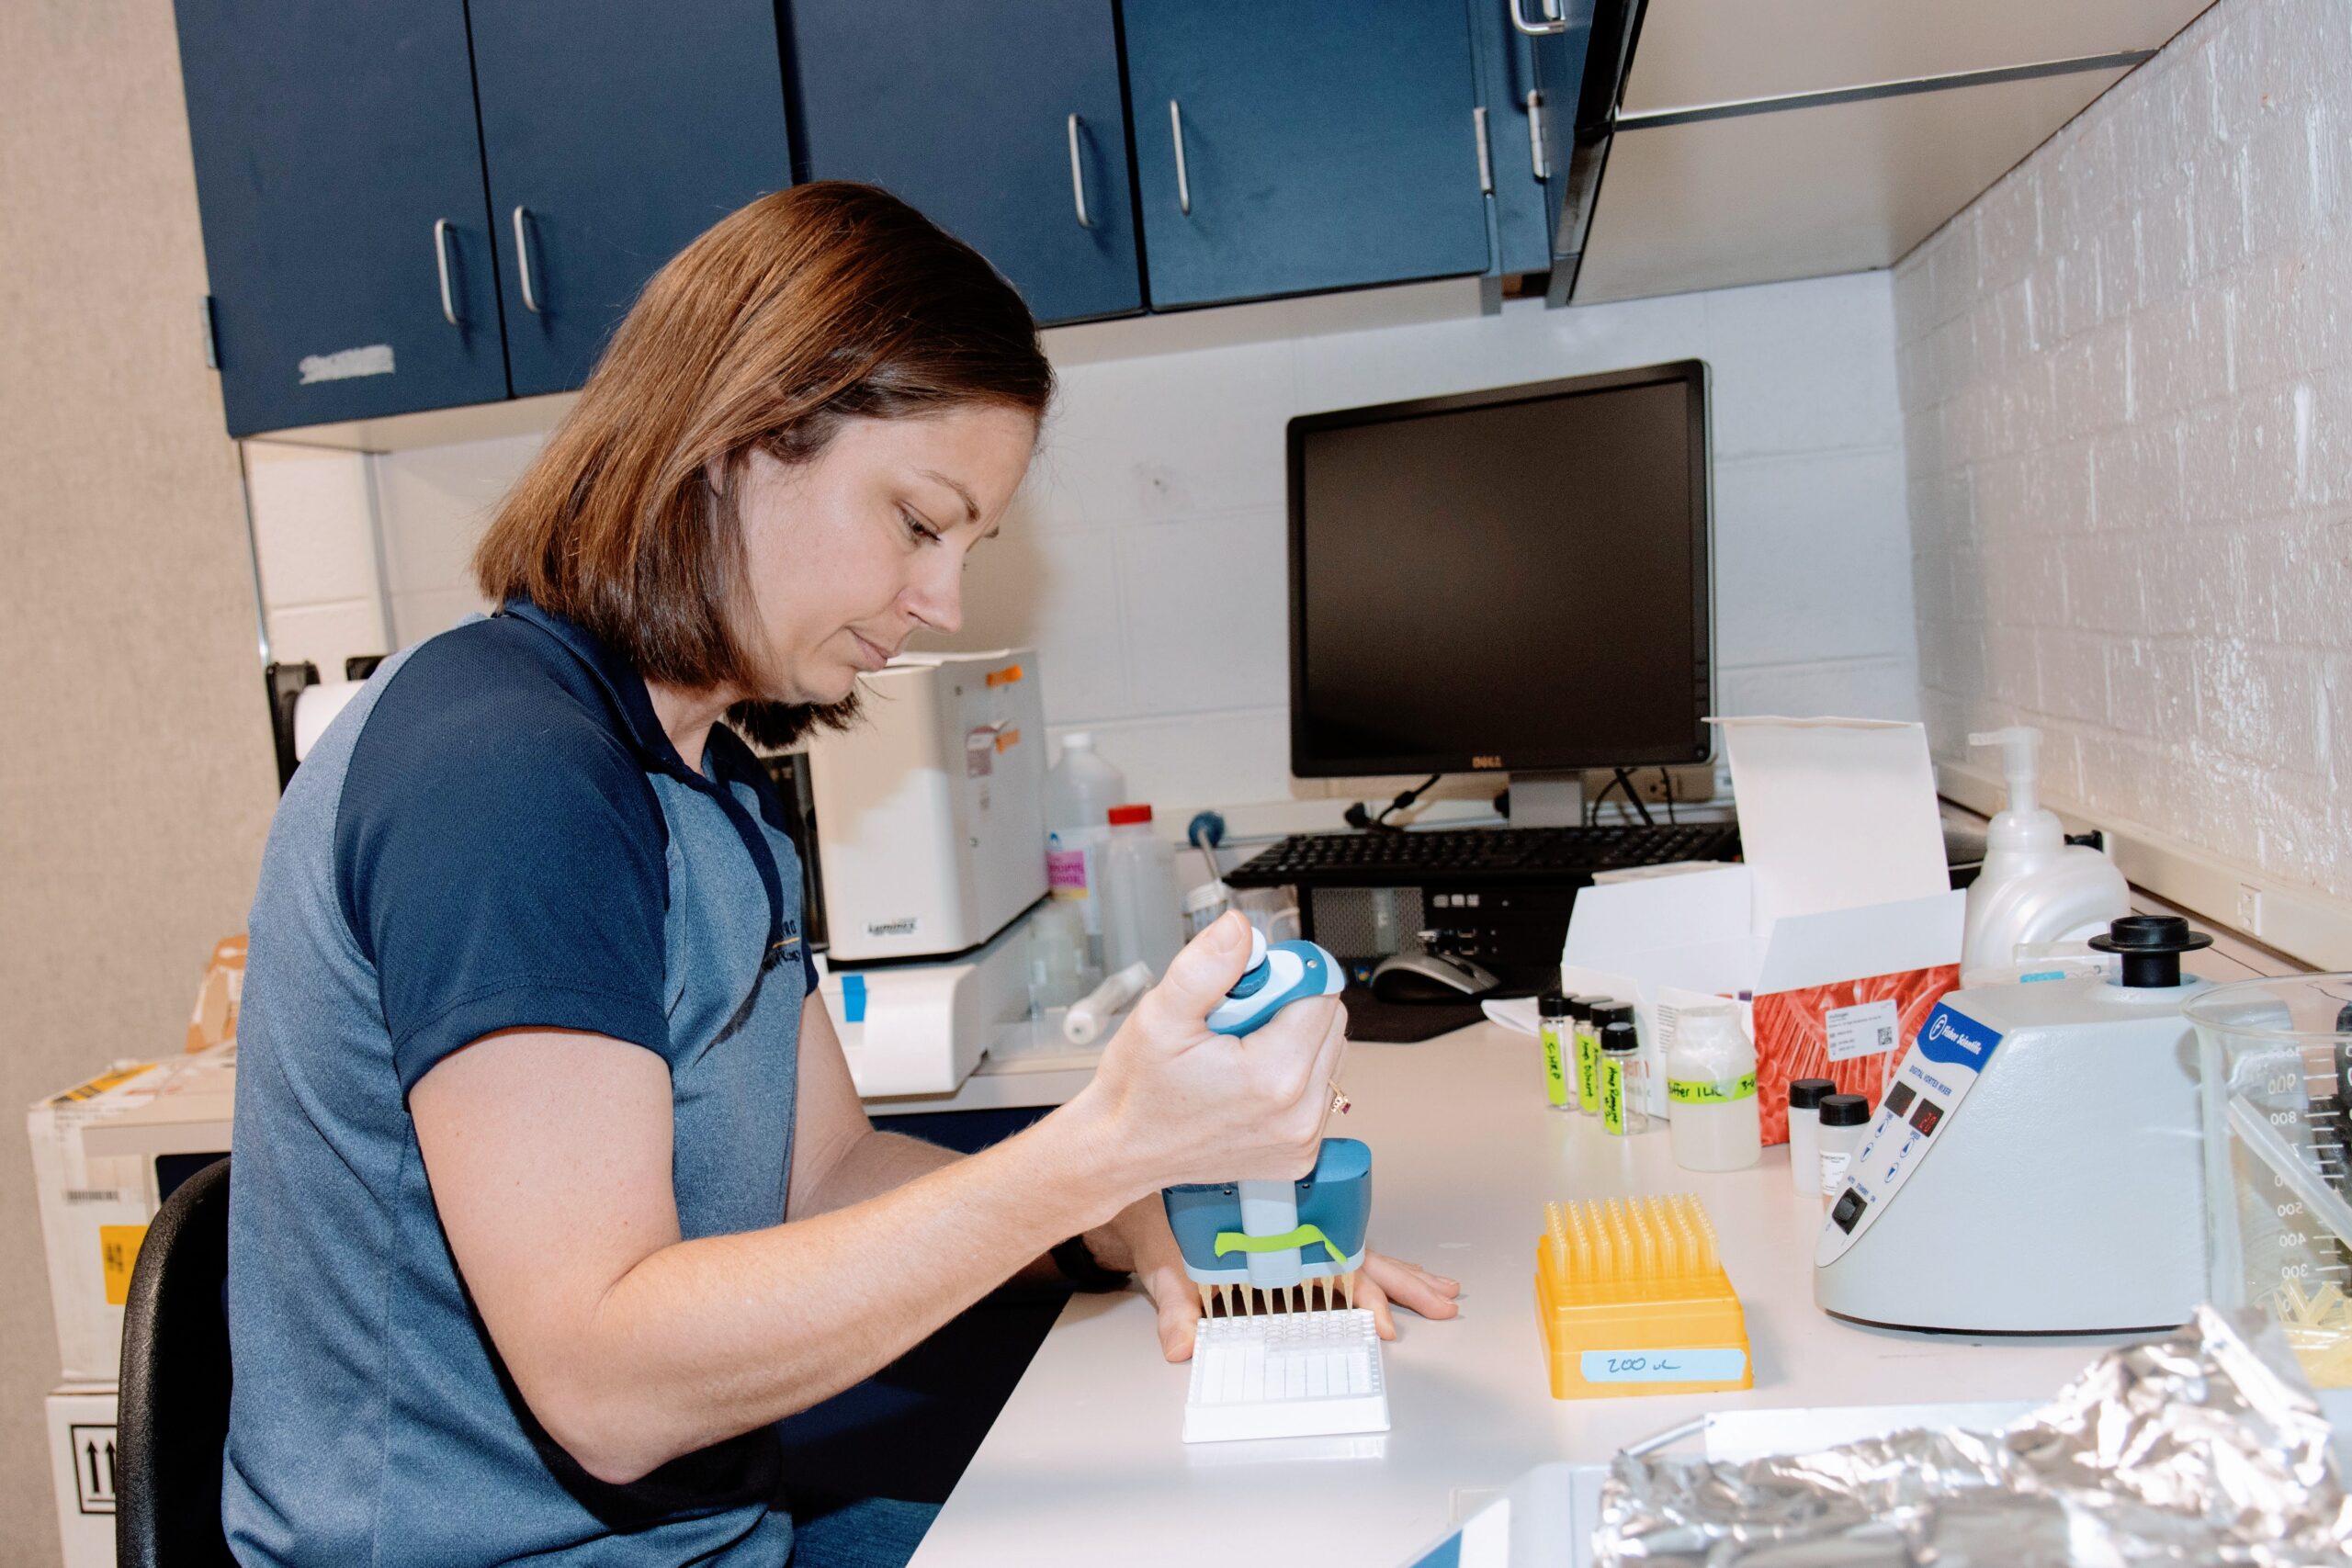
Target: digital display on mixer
[(1926, 1117), (1899, 1098)]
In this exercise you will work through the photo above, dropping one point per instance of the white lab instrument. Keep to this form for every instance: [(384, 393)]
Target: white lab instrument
[(930, 811), (2275, 1058), (2034, 887), (922, 1028), (2036, 1165), (1286, 1375)]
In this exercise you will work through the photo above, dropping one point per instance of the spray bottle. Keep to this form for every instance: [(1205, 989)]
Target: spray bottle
[(2035, 887)]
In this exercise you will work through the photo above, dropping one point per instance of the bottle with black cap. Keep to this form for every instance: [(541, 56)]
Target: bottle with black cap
[(1843, 1118), (1555, 1027), (1806, 1096), (1602, 1012), (1625, 1081)]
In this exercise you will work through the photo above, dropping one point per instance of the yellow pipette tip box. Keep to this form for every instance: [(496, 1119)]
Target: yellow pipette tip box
[(1632, 1299)]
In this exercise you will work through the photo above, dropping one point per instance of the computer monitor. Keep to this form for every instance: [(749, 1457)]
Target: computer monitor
[(1514, 580)]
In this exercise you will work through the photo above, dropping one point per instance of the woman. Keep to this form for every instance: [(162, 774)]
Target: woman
[(552, 1194)]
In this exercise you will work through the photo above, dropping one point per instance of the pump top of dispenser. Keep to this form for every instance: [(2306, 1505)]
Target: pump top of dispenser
[(2150, 946), (2023, 825)]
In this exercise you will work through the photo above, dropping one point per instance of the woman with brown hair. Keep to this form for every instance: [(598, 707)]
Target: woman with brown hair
[(552, 1194)]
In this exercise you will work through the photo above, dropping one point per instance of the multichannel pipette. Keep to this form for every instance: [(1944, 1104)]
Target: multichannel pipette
[(1261, 1247), (1247, 1244)]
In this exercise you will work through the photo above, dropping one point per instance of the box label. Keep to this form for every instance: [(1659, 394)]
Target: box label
[(1712, 1365), (93, 1454), (1864, 1030), (118, 1255)]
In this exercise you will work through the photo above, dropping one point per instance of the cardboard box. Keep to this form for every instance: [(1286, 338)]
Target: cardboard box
[(1836, 934), (81, 1463), (105, 1154)]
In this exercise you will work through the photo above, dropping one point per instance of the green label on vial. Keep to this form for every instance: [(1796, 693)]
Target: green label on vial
[(1709, 1092), (1612, 1096), (1556, 1070), (1588, 1068)]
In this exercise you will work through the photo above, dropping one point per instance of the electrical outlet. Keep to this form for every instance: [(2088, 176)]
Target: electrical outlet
[(1691, 785), (2249, 909)]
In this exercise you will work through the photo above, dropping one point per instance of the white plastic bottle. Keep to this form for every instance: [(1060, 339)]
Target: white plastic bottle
[(1141, 923), (1713, 1115), (1081, 789), (2035, 887)]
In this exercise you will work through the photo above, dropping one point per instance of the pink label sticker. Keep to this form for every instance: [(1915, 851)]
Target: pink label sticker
[(1066, 871)]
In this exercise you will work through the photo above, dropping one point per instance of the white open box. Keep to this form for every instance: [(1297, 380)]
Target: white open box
[(1843, 904), (95, 1150)]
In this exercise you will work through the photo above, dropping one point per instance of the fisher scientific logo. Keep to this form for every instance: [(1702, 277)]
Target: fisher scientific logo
[(903, 926), (1956, 1039)]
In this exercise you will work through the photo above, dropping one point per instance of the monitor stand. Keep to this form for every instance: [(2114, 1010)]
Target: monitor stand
[(1546, 800)]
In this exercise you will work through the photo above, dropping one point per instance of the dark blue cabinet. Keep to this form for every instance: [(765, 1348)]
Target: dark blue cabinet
[(1005, 124), (1284, 147), (613, 134), (1516, 110), (1579, 64), (350, 251)]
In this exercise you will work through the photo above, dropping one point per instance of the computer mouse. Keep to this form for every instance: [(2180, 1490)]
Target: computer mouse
[(1430, 978)]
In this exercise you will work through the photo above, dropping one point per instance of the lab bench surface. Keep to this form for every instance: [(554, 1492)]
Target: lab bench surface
[(1085, 1460)]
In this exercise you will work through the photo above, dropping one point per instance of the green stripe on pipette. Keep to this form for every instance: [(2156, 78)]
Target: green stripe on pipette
[(1304, 1236)]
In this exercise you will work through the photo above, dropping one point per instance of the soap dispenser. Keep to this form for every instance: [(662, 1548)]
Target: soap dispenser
[(2035, 887)]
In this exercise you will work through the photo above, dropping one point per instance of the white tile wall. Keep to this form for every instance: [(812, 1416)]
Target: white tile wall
[(317, 552), (1145, 556), (2126, 382)]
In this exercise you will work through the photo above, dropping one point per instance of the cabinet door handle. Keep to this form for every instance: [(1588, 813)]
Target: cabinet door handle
[(1486, 159), (1078, 177), (441, 261), (1536, 134), (523, 258), (1183, 186), (1551, 23)]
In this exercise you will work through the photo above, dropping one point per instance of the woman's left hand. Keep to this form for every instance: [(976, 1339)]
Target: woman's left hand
[(1384, 1284)]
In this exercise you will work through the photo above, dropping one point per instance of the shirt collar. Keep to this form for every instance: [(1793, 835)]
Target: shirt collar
[(621, 681)]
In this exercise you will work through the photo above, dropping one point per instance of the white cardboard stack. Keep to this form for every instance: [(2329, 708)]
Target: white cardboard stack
[(95, 1149)]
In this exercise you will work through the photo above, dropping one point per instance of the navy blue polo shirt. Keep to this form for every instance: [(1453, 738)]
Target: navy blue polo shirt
[(494, 834)]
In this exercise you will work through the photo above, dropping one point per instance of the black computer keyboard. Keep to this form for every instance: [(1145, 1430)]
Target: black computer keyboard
[(1438, 855)]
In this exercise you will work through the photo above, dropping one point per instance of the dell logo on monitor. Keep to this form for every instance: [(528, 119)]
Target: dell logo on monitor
[(1485, 761)]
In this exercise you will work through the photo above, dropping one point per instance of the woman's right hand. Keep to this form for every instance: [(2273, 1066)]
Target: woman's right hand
[(1184, 1104)]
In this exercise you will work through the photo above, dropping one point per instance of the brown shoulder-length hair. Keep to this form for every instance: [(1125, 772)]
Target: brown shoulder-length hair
[(811, 306)]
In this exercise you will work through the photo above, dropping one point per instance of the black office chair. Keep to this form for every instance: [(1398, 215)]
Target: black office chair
[(173, 1420)]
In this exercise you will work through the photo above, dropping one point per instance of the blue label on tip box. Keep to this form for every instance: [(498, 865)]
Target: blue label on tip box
[(1665, 1366)]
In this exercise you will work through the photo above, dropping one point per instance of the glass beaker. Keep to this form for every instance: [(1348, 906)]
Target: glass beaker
[(2275, 1057)]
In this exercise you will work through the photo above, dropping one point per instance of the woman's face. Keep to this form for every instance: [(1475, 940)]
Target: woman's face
[(850, 554)]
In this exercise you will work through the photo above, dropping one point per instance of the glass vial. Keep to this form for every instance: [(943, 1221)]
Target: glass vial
[(1599, 1013), (1556, 1027), (1625, 1080)]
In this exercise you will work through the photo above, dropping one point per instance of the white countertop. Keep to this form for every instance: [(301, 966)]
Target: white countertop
[(1085, 1462)]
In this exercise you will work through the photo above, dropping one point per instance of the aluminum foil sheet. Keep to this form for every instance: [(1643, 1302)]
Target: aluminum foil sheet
[(2204, 1447)]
